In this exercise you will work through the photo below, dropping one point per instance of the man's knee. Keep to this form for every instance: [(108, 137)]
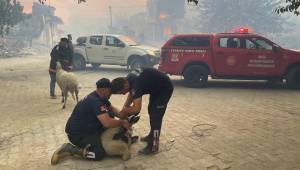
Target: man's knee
[(95, 155), (94, 147)]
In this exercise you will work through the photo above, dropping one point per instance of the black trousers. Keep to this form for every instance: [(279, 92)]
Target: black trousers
[(52, 83), (96, 149), (156, 109)]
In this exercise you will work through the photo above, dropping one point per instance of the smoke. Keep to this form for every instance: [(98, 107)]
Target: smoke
[(90, 17)]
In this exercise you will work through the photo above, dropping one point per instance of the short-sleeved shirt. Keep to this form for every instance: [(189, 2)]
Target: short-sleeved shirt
[(149, 81), (83, 120)]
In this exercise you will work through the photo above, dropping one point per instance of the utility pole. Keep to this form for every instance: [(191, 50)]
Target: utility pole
[(110, 16), (51, 25)]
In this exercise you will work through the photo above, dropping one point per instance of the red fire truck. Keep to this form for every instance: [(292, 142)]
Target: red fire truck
[(239, 55)]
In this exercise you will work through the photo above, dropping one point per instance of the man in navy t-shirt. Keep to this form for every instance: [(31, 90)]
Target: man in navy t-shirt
[(159, 86), (90, 117)]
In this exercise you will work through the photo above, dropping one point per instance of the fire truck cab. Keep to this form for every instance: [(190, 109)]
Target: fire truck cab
[(238, 55)]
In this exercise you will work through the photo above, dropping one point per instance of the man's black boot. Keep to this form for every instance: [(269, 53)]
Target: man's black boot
[(151, 148), (66, 150), (152, 144)]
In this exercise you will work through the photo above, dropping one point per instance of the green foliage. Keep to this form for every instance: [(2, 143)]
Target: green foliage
[(31, 27), (44, 1), (226, 15), (34, 24), (290, 6), (11, 13), (194, 1)]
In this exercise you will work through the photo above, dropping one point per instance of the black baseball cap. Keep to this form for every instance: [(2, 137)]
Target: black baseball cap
[(103, 83), (64, 39)]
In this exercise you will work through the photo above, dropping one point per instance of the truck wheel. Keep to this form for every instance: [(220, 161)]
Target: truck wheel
[(137, 64), (95, 66), (78, 62), (195, 76), (293, 78)]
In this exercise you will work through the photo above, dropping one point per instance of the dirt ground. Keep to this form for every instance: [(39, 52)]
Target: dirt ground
[(240, 125)]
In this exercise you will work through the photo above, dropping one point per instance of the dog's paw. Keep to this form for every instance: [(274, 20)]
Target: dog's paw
[(126, 156)]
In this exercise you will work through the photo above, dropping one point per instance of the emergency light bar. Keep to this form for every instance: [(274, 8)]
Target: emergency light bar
[(242, 30)]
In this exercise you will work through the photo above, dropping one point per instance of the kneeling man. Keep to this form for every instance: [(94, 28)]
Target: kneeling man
[(88, 120)]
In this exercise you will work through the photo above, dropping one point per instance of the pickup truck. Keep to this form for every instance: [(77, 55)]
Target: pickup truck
[(238, 55), (113, 50)]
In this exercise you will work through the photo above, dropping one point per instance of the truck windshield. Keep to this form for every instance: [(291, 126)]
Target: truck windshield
[(127, 40)]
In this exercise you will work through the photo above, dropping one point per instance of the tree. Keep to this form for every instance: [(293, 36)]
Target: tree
[(11, 13), (44, 1), (291, 6), (224, 16), (30, 28), (34, 24), (194, 1)]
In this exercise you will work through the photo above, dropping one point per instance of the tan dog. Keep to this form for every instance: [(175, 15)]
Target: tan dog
[(115, 147), (67, 81), (117, 141)]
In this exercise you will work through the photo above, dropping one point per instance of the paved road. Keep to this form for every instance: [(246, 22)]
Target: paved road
[(229, 125)]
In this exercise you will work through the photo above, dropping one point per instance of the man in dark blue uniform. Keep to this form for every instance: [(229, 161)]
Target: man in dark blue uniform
[(159, 86), (88, 120)]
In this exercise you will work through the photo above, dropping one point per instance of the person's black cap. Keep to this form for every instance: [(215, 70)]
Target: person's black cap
[(103, 83), (64, 39)]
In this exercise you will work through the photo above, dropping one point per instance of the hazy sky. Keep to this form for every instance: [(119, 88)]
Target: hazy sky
[(93, 16), (89, 17)]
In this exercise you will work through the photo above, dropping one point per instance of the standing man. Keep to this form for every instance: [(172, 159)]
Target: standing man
[(71, 50), (159, 86), (59, 53), (88, 120)]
